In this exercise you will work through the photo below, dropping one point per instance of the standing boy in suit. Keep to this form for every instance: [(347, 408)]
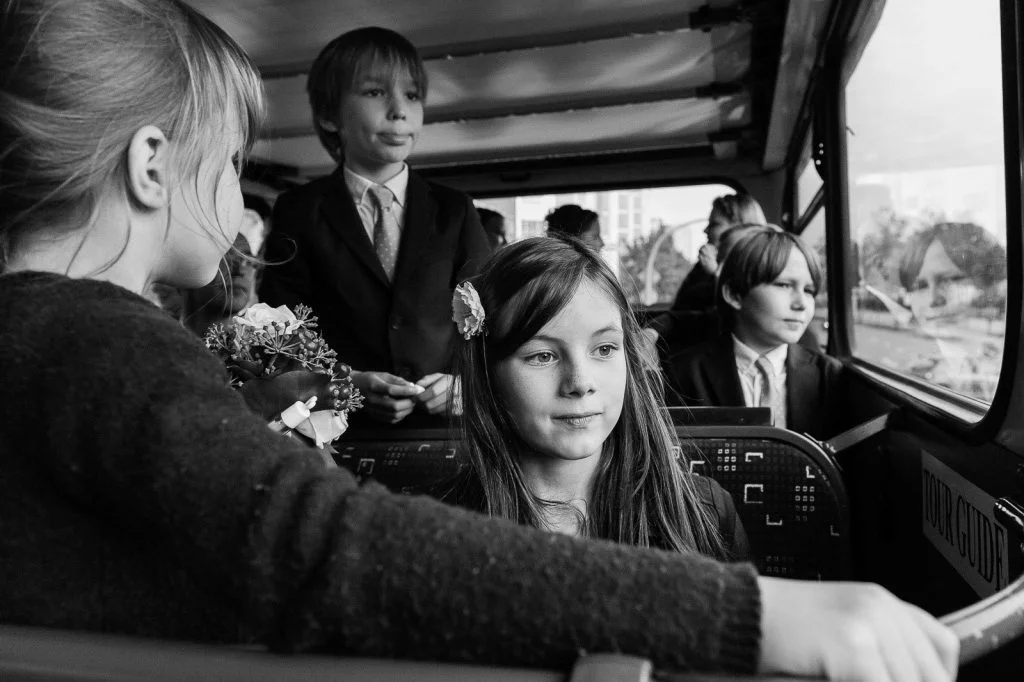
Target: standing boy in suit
[(374, 249), (766, 288)]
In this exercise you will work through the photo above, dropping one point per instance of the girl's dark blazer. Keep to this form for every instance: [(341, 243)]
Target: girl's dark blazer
[(404, 327), (706, 375), (465, 490)]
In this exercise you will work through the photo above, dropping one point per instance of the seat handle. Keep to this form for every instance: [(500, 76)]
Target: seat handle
[(859, 433)]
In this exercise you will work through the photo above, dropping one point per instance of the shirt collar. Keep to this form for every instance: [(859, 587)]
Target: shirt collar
[(358, 185), (747, 356)]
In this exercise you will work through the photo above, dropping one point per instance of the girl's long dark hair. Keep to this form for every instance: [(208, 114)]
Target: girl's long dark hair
[(643, 493)]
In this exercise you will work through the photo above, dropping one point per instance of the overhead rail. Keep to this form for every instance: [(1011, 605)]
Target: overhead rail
[(581, 103)]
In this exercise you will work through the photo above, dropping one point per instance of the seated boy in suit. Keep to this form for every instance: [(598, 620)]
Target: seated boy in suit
[(766, 288), (374, 249)]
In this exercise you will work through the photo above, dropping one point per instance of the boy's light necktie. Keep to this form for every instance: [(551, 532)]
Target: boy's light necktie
[(767, 395), (385, 229)]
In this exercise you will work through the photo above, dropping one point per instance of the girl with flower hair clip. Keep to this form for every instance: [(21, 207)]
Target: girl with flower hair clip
[(564, 432), (139, 495), (562, 423)]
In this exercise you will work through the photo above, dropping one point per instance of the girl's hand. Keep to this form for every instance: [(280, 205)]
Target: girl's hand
[(435, 397), (388, 397), (708, 257), (851, 631)]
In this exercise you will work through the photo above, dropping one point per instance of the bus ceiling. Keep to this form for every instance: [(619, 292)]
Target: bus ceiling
[(717, 84)]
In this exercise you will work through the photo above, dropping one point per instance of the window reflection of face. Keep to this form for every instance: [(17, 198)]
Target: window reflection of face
[(941, 288)]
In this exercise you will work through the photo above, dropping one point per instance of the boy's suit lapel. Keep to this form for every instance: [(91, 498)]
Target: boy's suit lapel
[(802, 403), (419, 230), (722, 376), (340, 212)]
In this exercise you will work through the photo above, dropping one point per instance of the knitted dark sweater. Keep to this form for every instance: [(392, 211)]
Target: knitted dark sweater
[(139, 495)]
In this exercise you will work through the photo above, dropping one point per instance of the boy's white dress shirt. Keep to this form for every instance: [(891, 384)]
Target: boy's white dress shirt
[(751, 378)]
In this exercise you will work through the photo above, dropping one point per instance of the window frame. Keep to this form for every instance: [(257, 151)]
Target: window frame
[(800, 225), (854, 25), (805, 158)]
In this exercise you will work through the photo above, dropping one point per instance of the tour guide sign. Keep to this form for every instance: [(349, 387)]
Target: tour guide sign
[(957, 519)]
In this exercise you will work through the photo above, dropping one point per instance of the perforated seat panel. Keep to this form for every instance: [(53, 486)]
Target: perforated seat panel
[(787, 490)]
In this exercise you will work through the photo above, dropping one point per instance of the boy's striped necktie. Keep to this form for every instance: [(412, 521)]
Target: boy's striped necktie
[(768, 392), (385, 229)]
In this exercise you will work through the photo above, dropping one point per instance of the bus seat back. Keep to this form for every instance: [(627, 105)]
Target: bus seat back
[(788, 492)]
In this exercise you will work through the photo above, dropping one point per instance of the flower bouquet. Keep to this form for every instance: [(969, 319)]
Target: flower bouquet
[(285, 371)]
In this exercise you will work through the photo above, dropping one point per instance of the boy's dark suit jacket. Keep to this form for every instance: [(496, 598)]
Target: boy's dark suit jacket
[(706, 375), (403, 327)]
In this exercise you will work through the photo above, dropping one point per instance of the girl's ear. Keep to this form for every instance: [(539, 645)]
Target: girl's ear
[(148, 168), (327, 125), (734, 301)]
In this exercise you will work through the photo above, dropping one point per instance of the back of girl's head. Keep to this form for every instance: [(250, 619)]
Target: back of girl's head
[(639, 493), (570, 220), (81, 77), (758, 256), (739, 209), (348, 58)]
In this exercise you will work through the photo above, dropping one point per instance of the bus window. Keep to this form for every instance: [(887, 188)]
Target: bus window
[(926, 195), (666, 222)]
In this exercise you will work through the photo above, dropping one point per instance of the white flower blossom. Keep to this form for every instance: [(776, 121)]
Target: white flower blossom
[(467, 311), (262, 316)]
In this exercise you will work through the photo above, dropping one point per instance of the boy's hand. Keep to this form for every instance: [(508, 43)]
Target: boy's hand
[(388, 397), (435, 397)]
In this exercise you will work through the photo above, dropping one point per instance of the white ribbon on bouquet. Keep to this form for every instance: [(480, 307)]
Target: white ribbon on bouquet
[(322, 426)]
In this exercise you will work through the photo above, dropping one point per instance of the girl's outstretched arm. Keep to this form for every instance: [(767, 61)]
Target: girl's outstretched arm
[(110, 405), (123, 416)]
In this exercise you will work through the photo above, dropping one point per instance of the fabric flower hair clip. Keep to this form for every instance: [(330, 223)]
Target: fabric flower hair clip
[(468, 311)]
